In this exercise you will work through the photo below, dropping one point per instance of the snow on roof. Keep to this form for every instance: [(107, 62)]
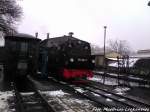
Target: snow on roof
[(23, 35)]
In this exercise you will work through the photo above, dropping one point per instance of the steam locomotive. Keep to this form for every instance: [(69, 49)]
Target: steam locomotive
[(63, 57), (66, 57)]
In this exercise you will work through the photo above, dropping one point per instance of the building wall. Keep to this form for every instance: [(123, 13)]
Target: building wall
[(113, 55), (1, 54)]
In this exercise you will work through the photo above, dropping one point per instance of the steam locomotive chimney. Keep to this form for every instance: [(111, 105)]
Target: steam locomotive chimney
[(70, 34), (36, 34), (47, 35)]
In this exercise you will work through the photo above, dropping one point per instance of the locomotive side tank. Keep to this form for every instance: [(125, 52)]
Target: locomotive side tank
[(66, 57), (21, 56)]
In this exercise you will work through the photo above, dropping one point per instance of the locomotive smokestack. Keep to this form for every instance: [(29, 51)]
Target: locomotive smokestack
[(70, 34), (36, 34), (47, 35)]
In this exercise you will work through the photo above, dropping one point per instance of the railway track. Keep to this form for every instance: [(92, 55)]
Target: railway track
[(78, 92), (31, 102), (101, 96), (101, 99), (125, 78), (68, 99), (124, 99)]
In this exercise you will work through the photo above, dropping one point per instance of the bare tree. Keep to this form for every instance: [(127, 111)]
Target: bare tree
[(10, 14), (119, 46), (95, 49), (148, 3)]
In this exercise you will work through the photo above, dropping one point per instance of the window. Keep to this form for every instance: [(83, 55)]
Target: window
[(2, 40), (22, 65), (24, 47)]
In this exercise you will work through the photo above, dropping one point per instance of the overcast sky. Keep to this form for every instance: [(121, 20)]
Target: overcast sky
[(125, 20)]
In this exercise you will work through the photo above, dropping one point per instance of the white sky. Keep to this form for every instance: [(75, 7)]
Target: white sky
[(125, 19)]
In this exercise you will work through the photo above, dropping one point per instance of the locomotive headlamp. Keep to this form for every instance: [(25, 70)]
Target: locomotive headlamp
[(93, 61), (71, 60)]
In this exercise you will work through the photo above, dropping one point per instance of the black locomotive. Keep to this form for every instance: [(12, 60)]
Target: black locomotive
[(66, 57), (20, 55)]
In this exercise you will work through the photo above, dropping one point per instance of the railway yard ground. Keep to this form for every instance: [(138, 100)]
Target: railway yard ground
[(133, 87), (59, 96)]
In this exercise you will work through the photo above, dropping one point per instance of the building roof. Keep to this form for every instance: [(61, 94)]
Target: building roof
[(113, 55), (143, 51), (59, 40), (21, 35)]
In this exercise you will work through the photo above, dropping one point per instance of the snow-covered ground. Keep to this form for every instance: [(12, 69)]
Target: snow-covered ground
[(132, 61), (4, 104), (121, 90), (114, 81), (69, 103), (108, 81), (79, 89), (57, 93)]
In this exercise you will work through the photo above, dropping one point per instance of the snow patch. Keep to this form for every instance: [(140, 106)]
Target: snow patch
[(95, 79), (132, 61), (136, 78), (78, 101), (121, 90), (100, 72), (4, 96), (96, 94), (119, 93), (108, 94), (108, 81), (122, 100), (80, 90), (2, 40), (109, 100), (63, 82), (58, 93), (27, 93)]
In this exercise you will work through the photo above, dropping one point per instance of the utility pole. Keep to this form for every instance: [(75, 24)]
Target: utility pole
[(104, 61)]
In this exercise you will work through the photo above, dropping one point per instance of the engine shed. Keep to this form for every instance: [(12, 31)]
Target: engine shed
[(20, 55)]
